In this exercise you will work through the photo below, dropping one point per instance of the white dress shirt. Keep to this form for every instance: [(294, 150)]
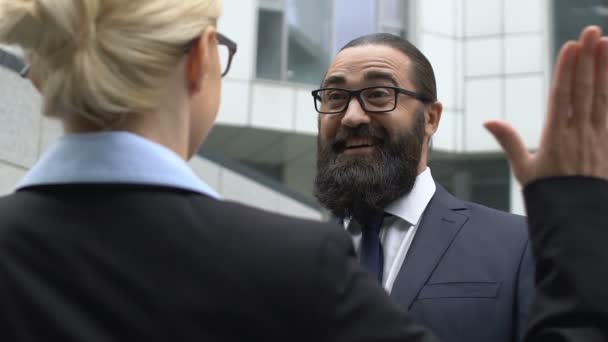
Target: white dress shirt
[(113, 157), (397, 232)]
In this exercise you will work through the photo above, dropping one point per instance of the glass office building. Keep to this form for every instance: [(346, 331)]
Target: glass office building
[(489, 63), (492, 59)]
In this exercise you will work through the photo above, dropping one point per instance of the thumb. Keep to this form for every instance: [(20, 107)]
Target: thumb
[(511, 143)]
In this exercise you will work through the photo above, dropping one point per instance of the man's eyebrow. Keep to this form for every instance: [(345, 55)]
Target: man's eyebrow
[(334, 80), (376, 75), (369, 76)]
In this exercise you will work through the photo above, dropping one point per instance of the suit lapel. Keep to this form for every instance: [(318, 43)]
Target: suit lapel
[(441, 221)]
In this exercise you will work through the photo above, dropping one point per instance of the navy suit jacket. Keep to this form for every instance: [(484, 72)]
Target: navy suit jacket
[(469, 273)]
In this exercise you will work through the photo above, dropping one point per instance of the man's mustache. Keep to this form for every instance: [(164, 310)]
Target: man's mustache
[(377, 134)]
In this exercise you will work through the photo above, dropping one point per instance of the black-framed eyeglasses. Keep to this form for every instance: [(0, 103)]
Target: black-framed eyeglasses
[(226, 49), (379, 99), (14, 63)]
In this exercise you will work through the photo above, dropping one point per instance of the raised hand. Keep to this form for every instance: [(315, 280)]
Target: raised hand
[(575, 137)]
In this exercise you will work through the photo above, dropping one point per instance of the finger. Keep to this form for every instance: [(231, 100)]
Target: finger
[(514, 148), (560, 98), (582, 94), (600, 94)]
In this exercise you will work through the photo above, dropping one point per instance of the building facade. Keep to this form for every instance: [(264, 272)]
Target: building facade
[(492, 59)]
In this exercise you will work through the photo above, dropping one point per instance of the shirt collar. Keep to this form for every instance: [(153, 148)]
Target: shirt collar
[(411, 206), (113, 157)]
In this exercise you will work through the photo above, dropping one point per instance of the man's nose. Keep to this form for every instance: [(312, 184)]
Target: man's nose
[(354, 115)]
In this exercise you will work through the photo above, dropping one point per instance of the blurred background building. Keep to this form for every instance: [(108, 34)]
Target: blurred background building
[(492, 58)]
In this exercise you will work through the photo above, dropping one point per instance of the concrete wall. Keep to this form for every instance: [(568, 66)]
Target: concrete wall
[(491, 62), (491, 59)]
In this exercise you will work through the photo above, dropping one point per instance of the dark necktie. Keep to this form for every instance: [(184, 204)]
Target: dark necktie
[(372, 255)]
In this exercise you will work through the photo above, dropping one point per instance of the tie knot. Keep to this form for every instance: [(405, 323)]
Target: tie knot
[(373, 222)]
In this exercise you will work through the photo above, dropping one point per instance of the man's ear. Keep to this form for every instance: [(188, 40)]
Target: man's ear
[(432, 117), (198, 59)]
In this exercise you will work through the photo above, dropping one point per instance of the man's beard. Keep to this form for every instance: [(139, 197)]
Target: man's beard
[(360, 186)]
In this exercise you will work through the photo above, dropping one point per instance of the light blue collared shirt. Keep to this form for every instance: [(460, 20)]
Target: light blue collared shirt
[(113, 157)]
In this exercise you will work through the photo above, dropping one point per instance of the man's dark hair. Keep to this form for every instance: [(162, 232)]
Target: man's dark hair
[(422, 75)]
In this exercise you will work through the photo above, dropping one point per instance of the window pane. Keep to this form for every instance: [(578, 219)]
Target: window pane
[(393, 11), (485, 180), (394, 16), (309, 40), (354, 18), (570, 16), (270, 43), (397, 31)]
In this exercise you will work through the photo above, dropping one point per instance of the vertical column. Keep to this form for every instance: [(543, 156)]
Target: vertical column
[(436, 33), (462, 187)]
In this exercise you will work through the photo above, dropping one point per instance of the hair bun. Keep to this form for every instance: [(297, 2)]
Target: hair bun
[(48, 27), (99, 60)]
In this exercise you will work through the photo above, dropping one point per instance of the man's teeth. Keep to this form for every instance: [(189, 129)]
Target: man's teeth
[(359, 143)]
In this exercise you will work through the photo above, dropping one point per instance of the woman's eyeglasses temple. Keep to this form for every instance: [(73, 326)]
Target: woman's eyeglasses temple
[(14, 63)]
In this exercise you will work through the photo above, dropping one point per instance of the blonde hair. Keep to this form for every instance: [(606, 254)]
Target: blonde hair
[(103, 59)]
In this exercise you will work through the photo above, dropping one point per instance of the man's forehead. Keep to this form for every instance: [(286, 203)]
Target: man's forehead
[(369, 77), (369, 63)]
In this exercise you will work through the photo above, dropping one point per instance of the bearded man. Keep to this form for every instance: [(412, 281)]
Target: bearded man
[(462, 269)]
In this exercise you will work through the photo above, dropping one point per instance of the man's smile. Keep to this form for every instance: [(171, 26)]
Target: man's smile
[(358, 145)]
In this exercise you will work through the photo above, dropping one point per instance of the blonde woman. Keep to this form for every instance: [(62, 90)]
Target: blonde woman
[(111, 237)]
